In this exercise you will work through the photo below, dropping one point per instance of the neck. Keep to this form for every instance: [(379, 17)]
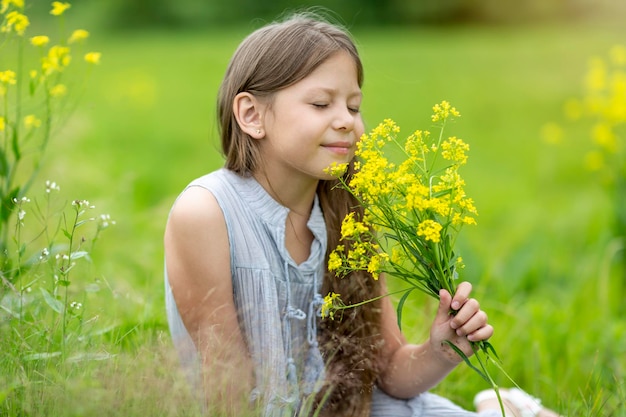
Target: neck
[(295, 194)]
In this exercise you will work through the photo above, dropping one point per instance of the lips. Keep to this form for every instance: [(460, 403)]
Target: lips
[(340, 147)]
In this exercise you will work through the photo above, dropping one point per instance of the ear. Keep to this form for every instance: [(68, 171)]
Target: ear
[(248, 111)]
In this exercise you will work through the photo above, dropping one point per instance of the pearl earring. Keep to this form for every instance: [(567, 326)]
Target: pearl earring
[(258, 131)]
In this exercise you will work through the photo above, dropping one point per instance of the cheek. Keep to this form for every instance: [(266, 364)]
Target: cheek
[(359, 129)]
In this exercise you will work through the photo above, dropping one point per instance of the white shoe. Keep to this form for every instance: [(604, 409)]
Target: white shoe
[(527, 405)]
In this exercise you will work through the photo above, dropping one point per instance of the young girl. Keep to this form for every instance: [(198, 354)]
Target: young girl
[(246, 249)]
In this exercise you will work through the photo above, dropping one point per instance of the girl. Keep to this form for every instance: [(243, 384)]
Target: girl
[(246, 248)]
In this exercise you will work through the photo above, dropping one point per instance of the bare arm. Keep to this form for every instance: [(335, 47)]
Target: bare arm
[(409, 369), (198, 267)]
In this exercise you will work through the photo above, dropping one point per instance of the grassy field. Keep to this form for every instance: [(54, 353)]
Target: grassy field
[(541, 258)]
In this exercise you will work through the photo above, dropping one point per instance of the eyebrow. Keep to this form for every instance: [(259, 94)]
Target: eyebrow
[(333, 91)]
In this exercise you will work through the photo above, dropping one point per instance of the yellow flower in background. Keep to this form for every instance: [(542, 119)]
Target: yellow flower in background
[(93, 57), (57, 59), (603, 136), (2, 124), (15, 21), (4, 6), (31, 121), (59, 8), (78, 35), (58, 90), (40, 40), (7, 77)]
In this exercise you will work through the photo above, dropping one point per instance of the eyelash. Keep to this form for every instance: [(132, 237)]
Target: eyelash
[(354, 110)]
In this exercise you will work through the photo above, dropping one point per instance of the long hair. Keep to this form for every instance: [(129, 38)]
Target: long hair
[(274, 57)]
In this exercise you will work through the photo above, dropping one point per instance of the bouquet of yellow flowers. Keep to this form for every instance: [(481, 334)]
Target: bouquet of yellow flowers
[(413, 212)]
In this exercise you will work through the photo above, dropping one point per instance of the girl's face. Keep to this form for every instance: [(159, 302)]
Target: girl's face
[(315, 122)]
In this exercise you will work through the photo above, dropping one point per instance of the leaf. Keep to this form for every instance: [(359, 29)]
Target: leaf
[(401, 306), (467, 361), (54, 304), (16, 146)]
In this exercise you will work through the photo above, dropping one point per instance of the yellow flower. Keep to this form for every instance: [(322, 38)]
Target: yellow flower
[(58, 90), (350, 228), (336, 170), (78, 35), (453, 149), (443, 111), (375, 264), (6, 3), (40, 40), (58, 8), (7, 77), (31, 121), (329, 304), (334, 260), (2, 124), (430, 229), (604, 137), (93, 57), (16, 21), (57, 59)]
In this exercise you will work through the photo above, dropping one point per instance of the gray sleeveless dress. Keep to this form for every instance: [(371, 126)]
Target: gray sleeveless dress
[(277, 301)]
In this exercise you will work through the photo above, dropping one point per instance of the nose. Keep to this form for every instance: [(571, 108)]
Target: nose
[(345, 120)]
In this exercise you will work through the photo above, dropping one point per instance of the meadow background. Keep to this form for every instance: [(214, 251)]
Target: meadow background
[(543, 258)]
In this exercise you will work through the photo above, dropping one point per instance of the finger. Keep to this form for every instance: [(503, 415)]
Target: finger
[(483, 333), (466, 312), (474, 323), (461, 296), (444, 306)]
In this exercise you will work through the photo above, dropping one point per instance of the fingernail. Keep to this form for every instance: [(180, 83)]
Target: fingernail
[(455, 305)]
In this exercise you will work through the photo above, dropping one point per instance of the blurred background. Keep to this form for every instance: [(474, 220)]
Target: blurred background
[(543, 257)]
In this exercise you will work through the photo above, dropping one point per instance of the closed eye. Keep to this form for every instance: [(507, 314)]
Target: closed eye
[(319, 105), (354, 110)]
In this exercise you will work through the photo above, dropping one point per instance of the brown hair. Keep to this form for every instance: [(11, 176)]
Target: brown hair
[(272, 58)]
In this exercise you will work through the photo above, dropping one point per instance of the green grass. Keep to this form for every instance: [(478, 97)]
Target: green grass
[(539, 258)]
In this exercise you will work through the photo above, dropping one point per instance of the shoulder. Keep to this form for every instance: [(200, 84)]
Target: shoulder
[(195, 204), (196, 224)]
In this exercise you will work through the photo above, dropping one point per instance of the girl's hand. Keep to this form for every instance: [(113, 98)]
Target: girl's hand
[(469, 324)]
